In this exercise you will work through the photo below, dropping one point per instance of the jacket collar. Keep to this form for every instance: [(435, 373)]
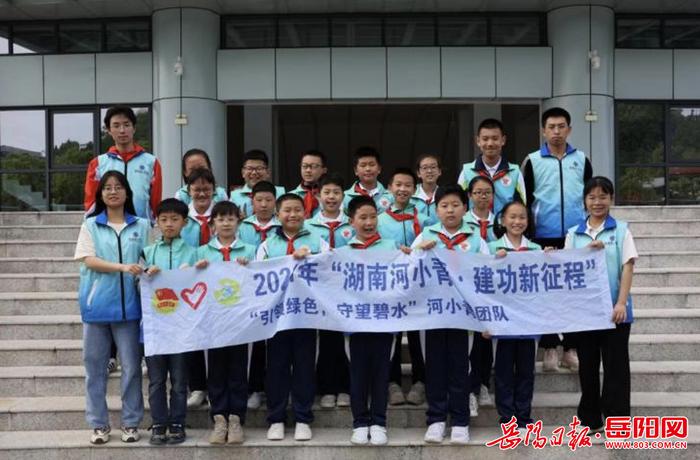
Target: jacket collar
[(101, 218), (609, 224), (544, 150)]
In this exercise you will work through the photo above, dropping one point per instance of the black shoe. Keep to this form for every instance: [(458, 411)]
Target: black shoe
[(158, 436), (524, 422), (177, 434)]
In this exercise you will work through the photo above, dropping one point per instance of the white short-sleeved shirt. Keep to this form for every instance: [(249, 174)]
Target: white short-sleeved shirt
[(629, 250), (85, 247)]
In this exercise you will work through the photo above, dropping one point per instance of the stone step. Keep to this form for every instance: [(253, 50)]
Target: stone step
[(38, 282), (655, 212), (664, 259), (666, 321), (39, 265), (671, 242), (46, 413), (39, 303), (41, 352), (39, 232), (39, 381), (37, 248), (665, 297), (664, 227), (41, 218), (666, 277)]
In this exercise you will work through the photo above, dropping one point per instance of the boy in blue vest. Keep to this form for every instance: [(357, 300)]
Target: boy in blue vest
[(332, 371), (367, 167), (506, 177), (170, 252), (554, 179), (141, 168), (290, 354), (447, 350), (370, 352), (256, 167), (401, 222), (313, 167)]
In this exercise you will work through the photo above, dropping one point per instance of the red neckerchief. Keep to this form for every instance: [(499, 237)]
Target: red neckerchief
[(290, 243), (484, 227), (204, 231), (262, 230), (367, 243), (402, 217), (450, 243), (226, 252), (310, 201), (331, 232), (361, 191)]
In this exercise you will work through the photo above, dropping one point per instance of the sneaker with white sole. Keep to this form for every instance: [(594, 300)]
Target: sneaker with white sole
[(130, 434), (235, 430), (343, 400), (550, 361), (302, 432), (570, 360), (360, 436), (459, 435), (254, 400), (196, 398), (396, 397), (218, 434), (276, 432), (327, 401), (416, 395), (473, 405), (100, 435), (484, 397), (377, 435), (435, 433)]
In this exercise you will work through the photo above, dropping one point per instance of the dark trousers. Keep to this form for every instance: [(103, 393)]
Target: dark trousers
[(228, 381), (332, 368), (197, 370), (515, 378), (113, 350), (481, 361), (258, 362), (291, 361), (370, 360), (613, 347), (417, 364), (159, 366), (447, 375)]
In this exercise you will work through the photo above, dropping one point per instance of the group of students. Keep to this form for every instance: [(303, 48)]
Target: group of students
[(485, 213)]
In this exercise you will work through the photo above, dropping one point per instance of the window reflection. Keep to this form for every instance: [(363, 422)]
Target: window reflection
[(73, 139), (22, 139)]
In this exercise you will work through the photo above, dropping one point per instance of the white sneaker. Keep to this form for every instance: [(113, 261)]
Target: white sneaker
[(343, 400), (570, 360), (276, 432), (327, 401), (377, 435), (473, 405), (416, 395), (302, 432), (360, 436), (484, 397), (100, 435), (196, 398), (396, 397), (435, 433), (130, 434), (550, 361), (254, 400), (460, 435)]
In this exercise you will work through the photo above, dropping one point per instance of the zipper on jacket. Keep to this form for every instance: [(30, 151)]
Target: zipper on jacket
[(170, 264), (561, 193), (121, 275)]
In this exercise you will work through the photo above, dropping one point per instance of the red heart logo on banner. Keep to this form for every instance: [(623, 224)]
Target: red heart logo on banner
[(194, 296)]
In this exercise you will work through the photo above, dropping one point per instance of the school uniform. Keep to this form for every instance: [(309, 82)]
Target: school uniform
[(168, 256), (183, 195), (426, 204), (227, 379), (382, 198), (243, 198), (484, 227), (515, 359), (508, 182), (308, 193), (370, 359), (610, 344), (446, 350), (290, 363), (252, 232), (332, 371)]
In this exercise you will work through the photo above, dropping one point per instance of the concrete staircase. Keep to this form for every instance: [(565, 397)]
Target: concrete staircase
[(42, 377)]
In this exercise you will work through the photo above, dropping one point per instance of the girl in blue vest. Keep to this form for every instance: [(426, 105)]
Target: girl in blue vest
[(191, 160), (109, 246), (602, 232), (515, 355), (429, 170)]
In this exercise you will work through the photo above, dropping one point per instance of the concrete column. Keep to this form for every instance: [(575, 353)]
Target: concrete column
[(193, 35), (579, 87)]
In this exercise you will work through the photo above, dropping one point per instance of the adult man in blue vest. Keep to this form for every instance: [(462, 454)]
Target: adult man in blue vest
[(554, 179)]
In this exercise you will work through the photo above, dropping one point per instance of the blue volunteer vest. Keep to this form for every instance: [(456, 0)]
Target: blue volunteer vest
[(112, 297), (169, 256), (505, 183), (425, 208), (613, 235), (219, 195), (558, 191), (239, 249), (190, 232), (139, 173)]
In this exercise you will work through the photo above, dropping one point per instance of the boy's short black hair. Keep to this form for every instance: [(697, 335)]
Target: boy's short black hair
[(332, 179), (603, 182), (119, 110), (490, 123), (556, 112), (359, 201), (452, 189), (256, 154), (264, 186), (405, 172), (224, 208), (194, 153), (172, 205), (314, 153), (365, 151), (288, 197), (203, 174), (475, 179)]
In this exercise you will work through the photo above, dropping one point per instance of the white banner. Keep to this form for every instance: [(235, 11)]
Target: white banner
[(524, 293)]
